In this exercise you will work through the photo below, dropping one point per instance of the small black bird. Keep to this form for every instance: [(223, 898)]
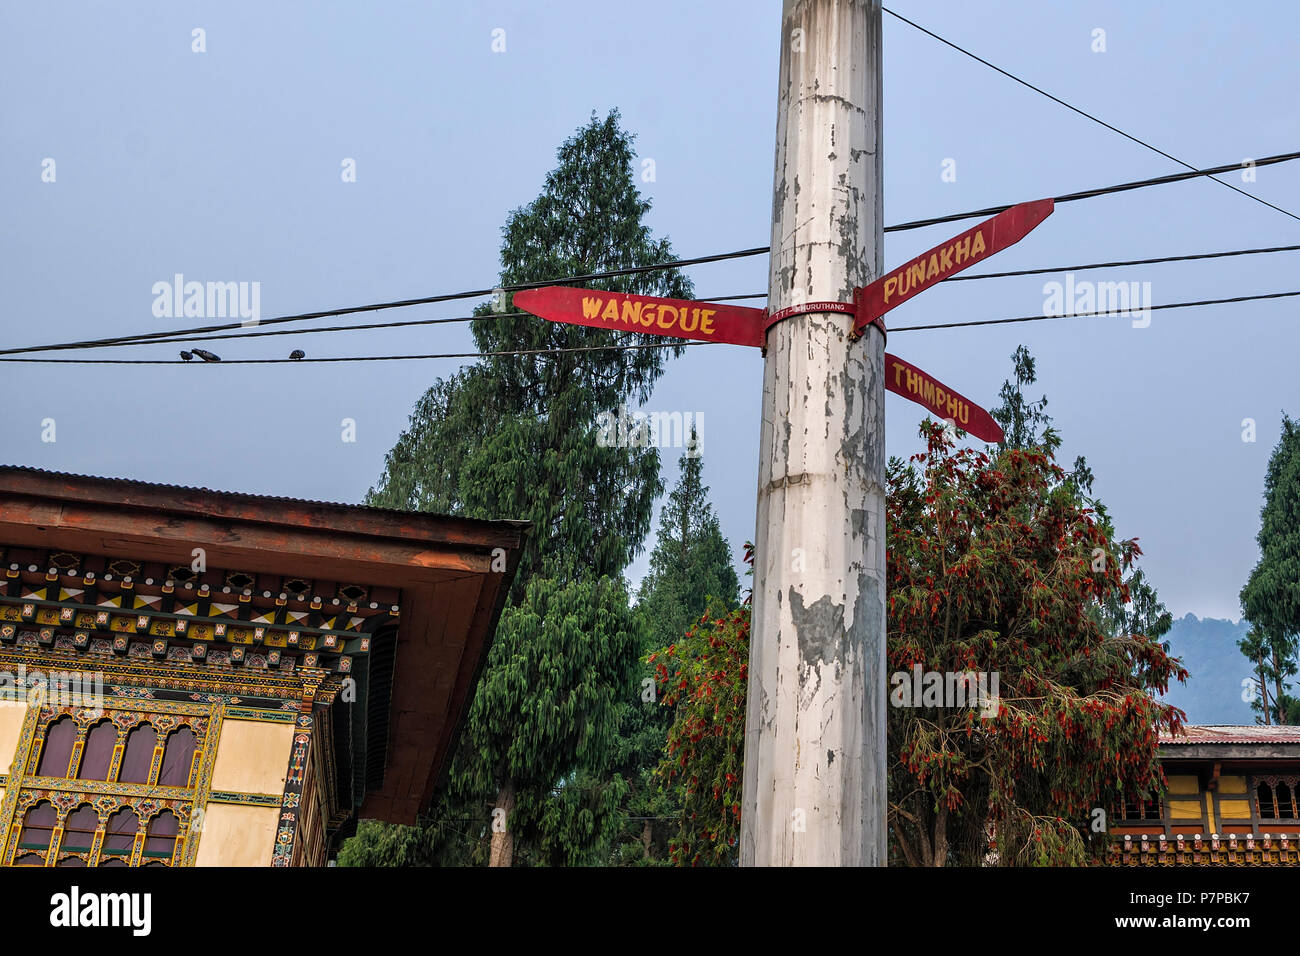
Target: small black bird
[(207, 356), (297, 354), (187, 356)]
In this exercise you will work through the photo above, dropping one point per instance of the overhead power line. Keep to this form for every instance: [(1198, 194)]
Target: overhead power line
[(1086, 315), (1084, 113), (399, 304), (366, 326), (1120, 263), (1099, 191), (366, 358), (173, 334), (652, 345)]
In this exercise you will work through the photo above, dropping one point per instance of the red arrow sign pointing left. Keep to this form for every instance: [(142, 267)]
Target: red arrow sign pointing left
[(680, 318), (907, 380)]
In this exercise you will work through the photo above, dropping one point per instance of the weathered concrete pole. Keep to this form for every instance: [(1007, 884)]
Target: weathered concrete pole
[(814, 784)]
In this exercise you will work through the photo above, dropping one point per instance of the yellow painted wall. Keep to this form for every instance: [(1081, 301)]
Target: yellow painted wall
[(1235, 809), (1184, 809), (1236, 784), (237, 836), (252, 756), (11, 729), (1184, 783)]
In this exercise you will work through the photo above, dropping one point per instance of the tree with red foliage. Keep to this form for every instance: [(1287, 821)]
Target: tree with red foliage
[(998, 565), (704, 675)]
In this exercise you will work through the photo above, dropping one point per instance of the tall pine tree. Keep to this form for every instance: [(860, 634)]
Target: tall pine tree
[(691, 574), (514, 436), (1271, 597)]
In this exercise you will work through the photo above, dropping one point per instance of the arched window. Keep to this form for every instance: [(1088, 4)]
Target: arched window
[(1267, 809), (99, 751), (57, 750), (79, 830), (71, 861), (138, 758), (115, 861), (29, 859), (38, 828), (161, 838), (177, 758), (121, 831), (1285, 808)]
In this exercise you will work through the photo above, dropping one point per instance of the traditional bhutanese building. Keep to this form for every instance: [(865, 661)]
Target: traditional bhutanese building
[(194, 678), (1232, 799)]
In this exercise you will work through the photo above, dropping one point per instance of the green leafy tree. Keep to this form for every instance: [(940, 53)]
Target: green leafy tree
[(1271, 597), (691, 574), (514, 436), (691, 565)]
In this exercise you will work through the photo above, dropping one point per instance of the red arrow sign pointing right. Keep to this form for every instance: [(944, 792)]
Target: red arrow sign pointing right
[(903, 378)]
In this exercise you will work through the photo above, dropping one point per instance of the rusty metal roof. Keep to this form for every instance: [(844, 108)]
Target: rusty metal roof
[(246, 496), (1232, 734)]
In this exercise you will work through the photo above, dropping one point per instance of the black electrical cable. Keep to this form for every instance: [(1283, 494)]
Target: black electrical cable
[(652, 345), (366, 358), (148, 337), (1085, 315), (713, 298), (1121, 262), (1084, 113)]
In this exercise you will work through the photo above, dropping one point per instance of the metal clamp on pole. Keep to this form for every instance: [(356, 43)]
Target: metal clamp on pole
[(848, 308)]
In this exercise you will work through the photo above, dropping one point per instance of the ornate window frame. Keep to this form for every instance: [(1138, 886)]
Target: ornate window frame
[(25, 788)]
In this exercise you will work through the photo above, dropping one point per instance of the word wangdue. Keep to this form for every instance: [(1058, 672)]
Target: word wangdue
[(648, 314)]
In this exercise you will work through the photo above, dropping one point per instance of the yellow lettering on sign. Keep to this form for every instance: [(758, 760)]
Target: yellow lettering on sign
[(590, 307), (632, 311), (649, 313), (898, 374), (961, 249), (890, 285), (916, 274), (694, 320), (706, 320), (932, 271), (663, 313), (611, 312), (977, 244)]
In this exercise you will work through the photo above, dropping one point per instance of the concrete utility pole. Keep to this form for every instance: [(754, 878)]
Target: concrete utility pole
[(814, 784)]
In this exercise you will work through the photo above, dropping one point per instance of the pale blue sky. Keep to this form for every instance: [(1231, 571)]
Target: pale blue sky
[(225, 165)]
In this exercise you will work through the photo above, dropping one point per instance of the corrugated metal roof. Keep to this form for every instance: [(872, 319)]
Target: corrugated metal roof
[(1232, 734), (245, 495)]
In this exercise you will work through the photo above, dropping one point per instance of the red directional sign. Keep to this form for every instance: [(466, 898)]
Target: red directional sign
[(993, 235), (907, 380), (680, 318)]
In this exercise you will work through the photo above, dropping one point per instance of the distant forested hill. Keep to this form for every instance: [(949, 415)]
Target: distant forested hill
[(1208, 648)]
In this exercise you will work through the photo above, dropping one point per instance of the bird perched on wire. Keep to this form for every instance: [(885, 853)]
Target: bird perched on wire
[(207, 356), (187, 356), (297, 354)]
